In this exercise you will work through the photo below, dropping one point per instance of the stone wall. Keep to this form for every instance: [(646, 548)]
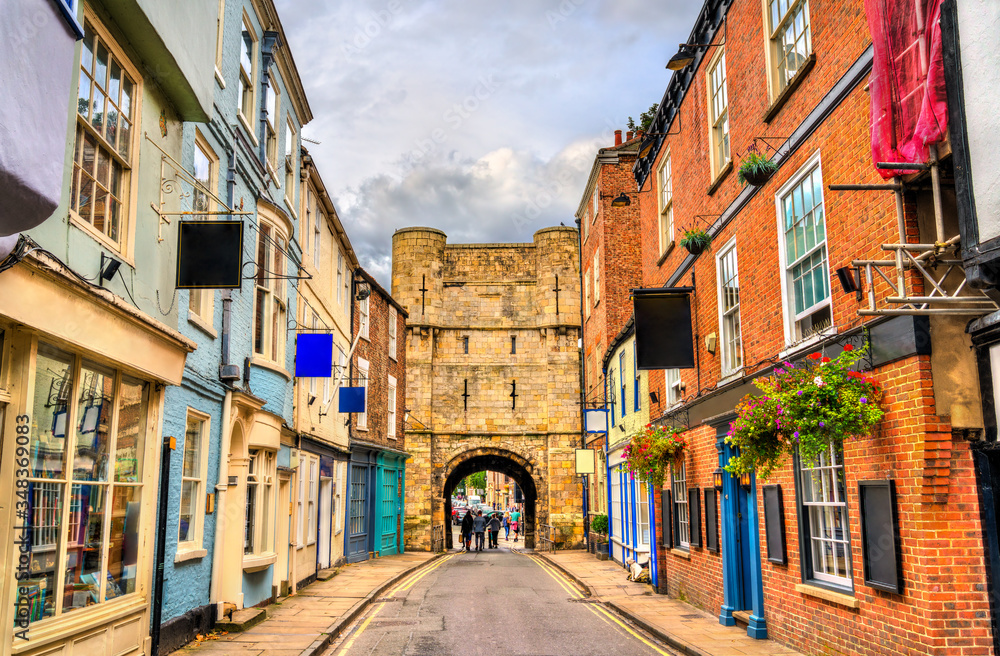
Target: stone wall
[(484, 325)]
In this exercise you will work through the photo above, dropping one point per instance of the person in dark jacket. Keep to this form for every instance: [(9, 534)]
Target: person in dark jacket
[(479, 526), (494, 528), (467, 523)]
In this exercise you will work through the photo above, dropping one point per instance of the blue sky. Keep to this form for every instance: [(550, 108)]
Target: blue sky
[(478, 118)]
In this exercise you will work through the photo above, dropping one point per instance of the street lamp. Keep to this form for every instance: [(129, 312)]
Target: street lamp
[(717, 478)]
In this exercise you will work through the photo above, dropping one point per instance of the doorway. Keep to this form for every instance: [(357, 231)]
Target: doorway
[(357, 525), (325, 523)]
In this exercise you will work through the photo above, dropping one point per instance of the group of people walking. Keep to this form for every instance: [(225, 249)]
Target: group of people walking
[(479, 525)]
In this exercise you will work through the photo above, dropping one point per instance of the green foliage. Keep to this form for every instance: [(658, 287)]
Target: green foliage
[(476, 481), (755, 167), (599, 524), (645, 119), (651, 452), (808, 407), (696, 239)]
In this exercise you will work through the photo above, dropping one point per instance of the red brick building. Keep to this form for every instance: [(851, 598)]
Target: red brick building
[(610, 265), (791, 77), (378, 445)]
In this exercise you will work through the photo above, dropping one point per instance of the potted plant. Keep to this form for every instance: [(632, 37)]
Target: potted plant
[(696, 240), (806, 407), (756, 169), (598, 531), (651, 452)]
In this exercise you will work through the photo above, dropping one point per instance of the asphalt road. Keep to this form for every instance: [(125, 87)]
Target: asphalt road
[(497, 603)]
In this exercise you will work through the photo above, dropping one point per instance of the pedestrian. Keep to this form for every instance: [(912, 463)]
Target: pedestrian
[(515, 522), (479, 526), (494, 527), (467, 523), (506, 526)]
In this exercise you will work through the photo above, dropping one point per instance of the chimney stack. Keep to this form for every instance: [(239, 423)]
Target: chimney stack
[(628, 136), (618, 137)]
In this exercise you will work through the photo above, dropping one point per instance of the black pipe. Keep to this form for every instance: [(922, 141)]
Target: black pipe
[(227, 294), (161, 545), (583, 380)]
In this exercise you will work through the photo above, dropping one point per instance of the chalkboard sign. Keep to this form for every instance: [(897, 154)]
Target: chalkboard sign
[(774, 520), (668, 522), (879, 535), (694, 515), (711, 521)]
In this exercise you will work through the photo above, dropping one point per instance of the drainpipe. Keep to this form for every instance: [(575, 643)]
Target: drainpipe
[(269, 43), (227, 372), (220, 504), (161, 544), (583, 386)]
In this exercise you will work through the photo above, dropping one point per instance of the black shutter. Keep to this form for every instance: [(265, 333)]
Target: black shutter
[(694, 515), (880, 535), (774, 521), (667, 516), (711, 520)]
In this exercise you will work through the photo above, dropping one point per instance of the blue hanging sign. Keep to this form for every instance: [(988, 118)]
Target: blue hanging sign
[(352, 399), (313, 355)]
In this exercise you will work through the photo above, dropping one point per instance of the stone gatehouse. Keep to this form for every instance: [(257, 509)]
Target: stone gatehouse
[(493, 374)]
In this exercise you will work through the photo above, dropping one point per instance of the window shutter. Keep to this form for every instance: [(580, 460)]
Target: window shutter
[(668, 523), (694, 512)]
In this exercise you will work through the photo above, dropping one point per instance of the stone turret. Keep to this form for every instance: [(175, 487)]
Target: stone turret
[(558, 254), (417, 263)]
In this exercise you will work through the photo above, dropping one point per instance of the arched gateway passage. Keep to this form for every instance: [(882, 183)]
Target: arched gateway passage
[(497, 460)]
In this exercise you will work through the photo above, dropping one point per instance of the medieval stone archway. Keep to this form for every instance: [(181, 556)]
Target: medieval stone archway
[(521, 469)]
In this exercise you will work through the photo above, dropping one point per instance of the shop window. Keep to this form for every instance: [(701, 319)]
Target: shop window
[(107, 111), (391, 420), (789, 40), (363, 382), (248, 73), (201, 302), (83, 481), (806, 279), (392, 332), (617, 526), (682, 520), (313, 487), (270, 324), (824, 529), (642, 501), (194, 472), (260, 492), (300, 524), (729, 309), (666, 192), (718, 112), (363, 312)]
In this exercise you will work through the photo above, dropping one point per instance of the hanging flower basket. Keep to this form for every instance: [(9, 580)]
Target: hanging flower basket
[(806, 406), (696, 241), (756, 169), (651, 452)]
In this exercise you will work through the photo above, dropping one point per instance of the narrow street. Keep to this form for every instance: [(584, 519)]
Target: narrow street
[(498, 601)]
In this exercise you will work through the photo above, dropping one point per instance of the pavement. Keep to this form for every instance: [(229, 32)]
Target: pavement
[(678, 624), (306, 623)]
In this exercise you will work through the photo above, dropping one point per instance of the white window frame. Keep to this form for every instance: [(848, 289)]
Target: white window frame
[(778, 28), (247, 79), (340, 278), (678, 488), (312, 321), (672, 386), (829, 469), (642, 515), (300, 499), (271, 289), (201, 302), (365, 317), (665, 193), (272, 105), (391, 408), (597, 276), (730, 337), (597, 201), (317, 236), (290, 168), (262, 468), (220, 29), (792, 319), (363, 367), (616, 503), (586, 294), (311, 509), (200, 481), (392, 332), (718, 112)]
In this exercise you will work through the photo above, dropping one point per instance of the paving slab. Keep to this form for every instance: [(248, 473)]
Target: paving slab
[(305, 623), (679, 624)]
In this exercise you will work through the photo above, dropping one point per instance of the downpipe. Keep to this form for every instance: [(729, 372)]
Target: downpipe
[(161, 544)]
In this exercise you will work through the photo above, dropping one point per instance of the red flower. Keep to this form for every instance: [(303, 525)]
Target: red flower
[(825, 360), (849, 348), (815, 356)]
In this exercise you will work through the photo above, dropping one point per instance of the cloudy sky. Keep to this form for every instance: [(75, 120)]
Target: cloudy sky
[(478, 118)]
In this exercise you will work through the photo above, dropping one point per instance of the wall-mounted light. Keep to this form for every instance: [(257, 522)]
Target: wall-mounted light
[(711, 340), (109, 267), (717, 478), (850, 280), (687, 52), (621, 427), (745, 481), (654, 398), (362, 291), (312, 399)]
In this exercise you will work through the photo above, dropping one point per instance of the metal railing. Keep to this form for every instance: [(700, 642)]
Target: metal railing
[(437, 538), (547, 538)]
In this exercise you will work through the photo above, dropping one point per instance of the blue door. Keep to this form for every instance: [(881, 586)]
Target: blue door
[(357, 525), (389, 501), (743, 600)]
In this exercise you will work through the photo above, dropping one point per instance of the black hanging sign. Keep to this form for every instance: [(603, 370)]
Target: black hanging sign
[(209, 254), (663, 337)]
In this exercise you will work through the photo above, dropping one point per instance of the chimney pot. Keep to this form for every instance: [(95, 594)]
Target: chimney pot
[(628, 136), (618, 137)]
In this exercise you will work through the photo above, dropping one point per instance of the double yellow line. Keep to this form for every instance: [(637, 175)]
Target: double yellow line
[(600, 611), (402, 586)]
